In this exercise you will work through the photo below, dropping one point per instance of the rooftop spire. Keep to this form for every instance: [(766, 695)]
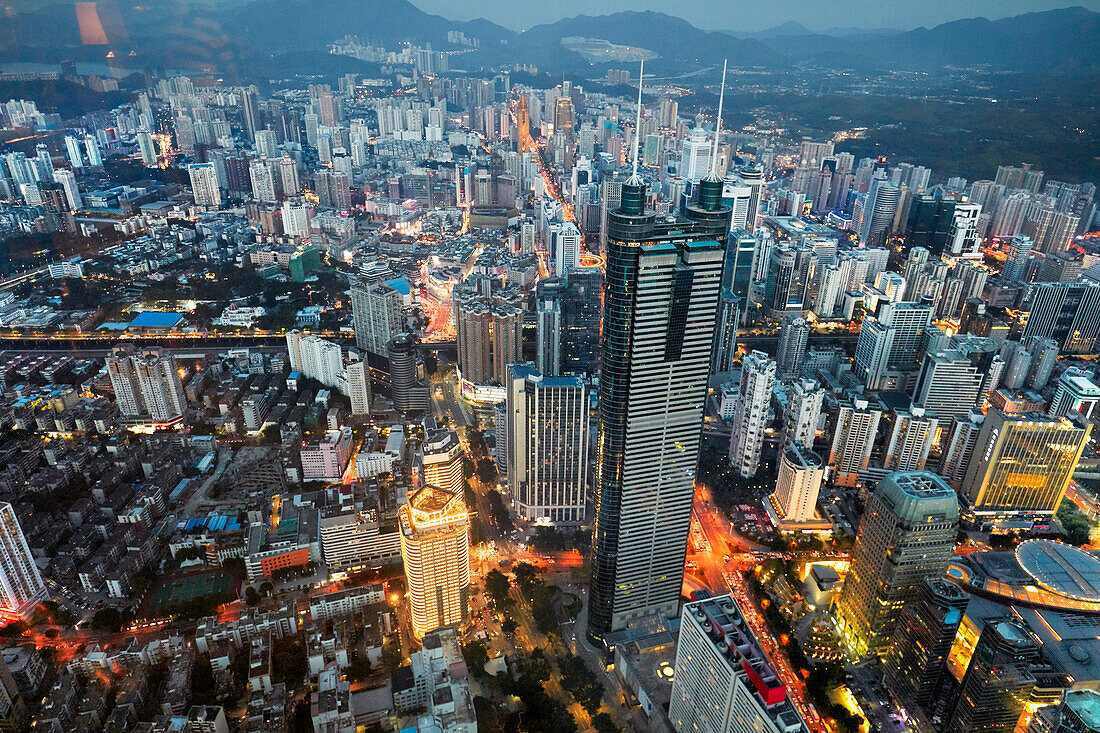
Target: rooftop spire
[(718, 124), (634, 180)]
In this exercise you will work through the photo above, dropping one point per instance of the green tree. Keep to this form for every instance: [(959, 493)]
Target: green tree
[(604, 723), (496, 586)]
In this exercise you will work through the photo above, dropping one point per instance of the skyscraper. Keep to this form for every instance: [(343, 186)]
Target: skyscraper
[(916, 660), (435, 549), (548, 306), (120, 368), (204, 185), (377, 314), (725, 334), (1067, 312), (722, 680), (794, 336), (20, 582), (580, 322), (801, 412), (853, 438), (1020, 469), (147, 148), (358, 376), (439, 461), (408, 391), (546, 432), (751, 416), (660, 303), (907, 534), (801, 472), (998, 680), (878, 212), (263, 183), (1019, 248), (161, 388), (890, 341), (911, 434), (1076, 393)]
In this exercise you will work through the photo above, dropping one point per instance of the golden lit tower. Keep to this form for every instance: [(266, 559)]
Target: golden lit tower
[(435, 547)]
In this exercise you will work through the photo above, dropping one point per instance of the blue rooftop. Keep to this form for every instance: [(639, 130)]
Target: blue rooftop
[(155, 319), (400, 284)]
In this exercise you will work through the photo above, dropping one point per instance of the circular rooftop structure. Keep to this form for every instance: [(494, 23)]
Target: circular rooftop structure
[(1062, 569)]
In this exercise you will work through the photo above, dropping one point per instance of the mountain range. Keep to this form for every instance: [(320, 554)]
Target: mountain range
[(234, 37)]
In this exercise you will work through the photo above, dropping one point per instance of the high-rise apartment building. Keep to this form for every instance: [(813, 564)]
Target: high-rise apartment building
[(435, 549), (660, 306), (722, 680), (358, 380), (20, 582), (794, 337), (801, 472), (907, 534), (204, 185), (154, 385), (377, 314), (853, 438), (911, 435), (439, 461), (546, 434), (751, 416), (998, 680), (890, 340), (916, 661), (123, 374), (1020, 469), (802, 411), (263, 182)]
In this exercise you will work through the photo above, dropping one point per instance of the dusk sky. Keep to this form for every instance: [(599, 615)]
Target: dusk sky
[(751, 15)]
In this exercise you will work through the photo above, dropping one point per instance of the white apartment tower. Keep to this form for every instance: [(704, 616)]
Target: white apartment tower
[(20, 581), (751, 416)]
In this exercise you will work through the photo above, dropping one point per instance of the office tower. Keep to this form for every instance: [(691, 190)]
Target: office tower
[(611, 188), (853, 438), (358, 378), (377, 314), (1067, 312), (751, 417), (1044, 353), (566, 248), (67, 180), (20, 581), (435, 550), (549, 295), (408, 391), (911, 434), (801, 472), (917, 657), (1021, 467), (654, 364), (907, 534), (959, 449), (580, 314), (295, 219), (546, 437), (878, 212), (740, 256), (725, 335), (953, 381), (204, 185), (801, 412), (722, 680), (794, 337), (1075, 393), (695, 158), (439, 461), (890, 340), (929, 220), (1051, 230), (789, 279), (998, 680), (1078, 712), (158, 380), (263, 184), (1019, 249)]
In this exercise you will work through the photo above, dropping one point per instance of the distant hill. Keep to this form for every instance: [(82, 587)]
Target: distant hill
[(790, 28), (1062, 41)]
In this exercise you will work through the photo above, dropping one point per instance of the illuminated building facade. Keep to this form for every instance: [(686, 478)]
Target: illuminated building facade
[(20, 582), (1020, 469), (907, 534), (435, 547)]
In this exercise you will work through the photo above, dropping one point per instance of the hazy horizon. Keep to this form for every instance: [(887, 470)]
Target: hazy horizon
[(751, 15)]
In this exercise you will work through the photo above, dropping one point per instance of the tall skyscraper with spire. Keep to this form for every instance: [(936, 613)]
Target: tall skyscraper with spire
[(660, 305)]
